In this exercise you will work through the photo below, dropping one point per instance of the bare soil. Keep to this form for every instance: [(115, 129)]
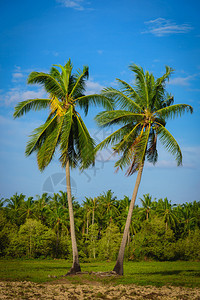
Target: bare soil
[(63, 289)]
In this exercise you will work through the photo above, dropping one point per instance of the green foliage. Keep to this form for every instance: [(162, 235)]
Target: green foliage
[(153, 241), (109, 244), (143, 110), (188, 247), (64, 128), (33, 240), (93, 241), (158, 230)]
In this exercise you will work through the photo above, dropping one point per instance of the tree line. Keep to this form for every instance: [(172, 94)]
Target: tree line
[(40, 228), (139, 112)]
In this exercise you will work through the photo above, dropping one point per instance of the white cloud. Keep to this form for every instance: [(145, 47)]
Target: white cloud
[(93, 87), (183, 81), (75, 4), (162, 27), (17, 75), (17, 94)]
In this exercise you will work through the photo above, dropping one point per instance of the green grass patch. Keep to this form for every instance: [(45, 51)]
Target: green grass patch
[(140, 273)]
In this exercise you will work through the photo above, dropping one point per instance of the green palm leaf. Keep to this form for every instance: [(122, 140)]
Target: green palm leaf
[(38, 136), (85, 101), (85, 143), (47, 150), (169, 143), (108, 118), (79, 85), (122, 99), (174, 110), (25, 106), (49, 82)]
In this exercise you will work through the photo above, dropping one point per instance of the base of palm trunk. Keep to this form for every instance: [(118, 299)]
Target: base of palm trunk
[(74, 269), (119, 268)]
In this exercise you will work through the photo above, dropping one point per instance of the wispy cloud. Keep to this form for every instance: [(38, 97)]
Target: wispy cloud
[(93, 87), (162, 27), (183, 81), (17, 94), (75, 4), (16, 76)]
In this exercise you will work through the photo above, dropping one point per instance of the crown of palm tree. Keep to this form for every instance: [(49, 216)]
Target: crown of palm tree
[(64, 126), (144, 110)]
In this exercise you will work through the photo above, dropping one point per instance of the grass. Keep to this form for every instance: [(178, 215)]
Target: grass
[(140, 273)]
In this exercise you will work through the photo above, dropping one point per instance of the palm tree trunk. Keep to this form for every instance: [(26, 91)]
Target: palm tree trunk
[(119, 264), (93, 216), (75, 266)]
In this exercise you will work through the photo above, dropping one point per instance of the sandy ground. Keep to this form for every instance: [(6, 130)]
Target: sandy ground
[(64, 290)]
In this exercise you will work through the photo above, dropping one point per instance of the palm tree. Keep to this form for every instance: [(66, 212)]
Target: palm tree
[(108, 205), (188, 217), (41, 207), (28, 208), (164, 208), (147, 206), (15, 205), (64, 127), (143, 111), (87, 212)]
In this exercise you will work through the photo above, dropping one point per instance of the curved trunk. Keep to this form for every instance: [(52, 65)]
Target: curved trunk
[(75, 266), (119, 264)]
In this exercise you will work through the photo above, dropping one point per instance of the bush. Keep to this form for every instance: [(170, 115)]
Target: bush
[(109, 243), (33, 240), (153, 241)]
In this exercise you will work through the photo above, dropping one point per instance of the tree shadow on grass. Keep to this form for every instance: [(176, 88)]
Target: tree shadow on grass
[(172, 272)]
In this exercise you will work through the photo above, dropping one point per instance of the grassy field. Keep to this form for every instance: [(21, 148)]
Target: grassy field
[(141, 273)]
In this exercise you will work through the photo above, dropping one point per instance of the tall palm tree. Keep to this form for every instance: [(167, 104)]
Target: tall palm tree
[(188, 217), (41, 207), (147, 206), (109, 206), (87, 211), (165, 209), (15, 206), (64, 127), (143, 111)]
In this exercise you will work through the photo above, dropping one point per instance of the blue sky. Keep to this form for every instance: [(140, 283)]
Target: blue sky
[(107, 36)]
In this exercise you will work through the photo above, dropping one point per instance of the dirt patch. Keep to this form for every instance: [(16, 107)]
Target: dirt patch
[(62, 289)]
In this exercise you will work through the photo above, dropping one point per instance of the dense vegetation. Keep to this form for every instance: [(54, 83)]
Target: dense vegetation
[(39, 228)]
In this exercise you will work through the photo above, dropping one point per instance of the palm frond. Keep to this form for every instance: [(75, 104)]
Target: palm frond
[(38, 136), (85, 101), (141, 85), (123, 100), (85, 144), (65, 140), (163, 78), (174, 110), (134, 154), (108, 118), (79, 86), (66, 128), (112, 138), (127, 138), (50, 83), (151, 153), (130, 92), (25, 106), (169, 143), (65, 75), (47, 150), (56, 106)]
